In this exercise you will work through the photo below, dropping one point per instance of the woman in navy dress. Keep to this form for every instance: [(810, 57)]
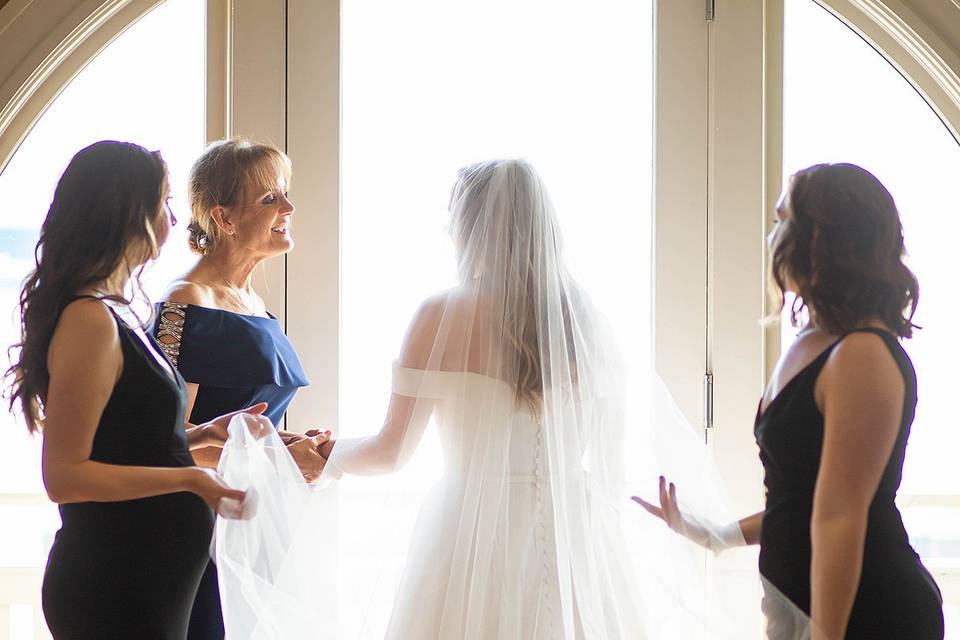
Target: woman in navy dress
[(834, 422), (215, 328), (137, 514)]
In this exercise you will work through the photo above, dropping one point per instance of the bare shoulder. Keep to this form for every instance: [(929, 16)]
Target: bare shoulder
[(85, 325), (861, 351), (862, 366), (431, 310), (189, 292), (422, 332)]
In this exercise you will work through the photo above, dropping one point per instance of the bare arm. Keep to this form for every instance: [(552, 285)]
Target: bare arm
[(407, 417), (750, 528), (860, 392), (390, 448), (204, 455), (85, 361)]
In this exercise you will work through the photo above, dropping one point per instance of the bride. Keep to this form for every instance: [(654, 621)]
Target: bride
[(520, 537)]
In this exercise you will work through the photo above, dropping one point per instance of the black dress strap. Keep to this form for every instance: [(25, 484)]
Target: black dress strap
[(896, 349), (889, 339), (81, 296), (883, 333)]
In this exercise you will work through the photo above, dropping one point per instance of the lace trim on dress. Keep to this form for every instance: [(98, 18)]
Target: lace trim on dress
[(170, 329)]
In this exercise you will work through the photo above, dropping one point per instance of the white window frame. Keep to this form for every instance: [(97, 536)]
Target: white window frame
[(274, 74), (53, 42), (294, 45)]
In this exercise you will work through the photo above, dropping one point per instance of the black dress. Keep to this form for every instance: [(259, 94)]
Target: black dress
[(236, 360), (897, 597), (122, 570)]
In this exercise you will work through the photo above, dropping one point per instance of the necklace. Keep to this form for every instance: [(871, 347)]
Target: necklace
[(243, 304)]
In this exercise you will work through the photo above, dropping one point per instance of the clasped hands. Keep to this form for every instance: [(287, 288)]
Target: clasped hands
[(306, 448)]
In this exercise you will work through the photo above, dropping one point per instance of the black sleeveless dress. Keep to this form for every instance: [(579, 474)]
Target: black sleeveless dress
[(897, 597), (130, 569)]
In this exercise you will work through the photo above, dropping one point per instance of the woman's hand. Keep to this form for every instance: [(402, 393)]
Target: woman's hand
[(306, 453), (669, 512), (214, 433), (325, 448), (208, 484), (290, 437)]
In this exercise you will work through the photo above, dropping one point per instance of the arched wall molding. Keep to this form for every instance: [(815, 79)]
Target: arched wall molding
[(43, 46), (920, 52)]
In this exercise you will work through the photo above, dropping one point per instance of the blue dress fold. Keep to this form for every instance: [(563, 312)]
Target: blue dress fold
[(237, 360)]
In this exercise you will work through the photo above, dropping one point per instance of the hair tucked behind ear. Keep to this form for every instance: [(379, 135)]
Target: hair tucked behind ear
[(104, 206), (843, 250), (220, 177)]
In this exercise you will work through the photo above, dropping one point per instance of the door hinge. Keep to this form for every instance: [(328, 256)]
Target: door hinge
[(711, 10), (708, 401)]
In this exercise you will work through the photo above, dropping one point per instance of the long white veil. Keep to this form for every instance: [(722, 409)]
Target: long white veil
[(529, 533)]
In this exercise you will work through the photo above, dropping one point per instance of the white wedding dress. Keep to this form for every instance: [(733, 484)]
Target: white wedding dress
[(502, 579), (523, 537)]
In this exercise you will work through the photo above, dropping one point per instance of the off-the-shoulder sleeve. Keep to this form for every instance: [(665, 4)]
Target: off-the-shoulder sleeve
[(170, 321), (419, 383), (229, 350)]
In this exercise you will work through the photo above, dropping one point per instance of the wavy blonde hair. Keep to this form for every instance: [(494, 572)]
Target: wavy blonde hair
[(508, 240), (226, 172)]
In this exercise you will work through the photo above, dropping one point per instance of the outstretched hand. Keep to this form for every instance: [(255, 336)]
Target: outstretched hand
[(669, 512)]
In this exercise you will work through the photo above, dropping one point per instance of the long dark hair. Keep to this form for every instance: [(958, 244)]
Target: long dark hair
[(843, 250), (102, 210)]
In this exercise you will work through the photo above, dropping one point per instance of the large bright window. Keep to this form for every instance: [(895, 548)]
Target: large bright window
[(146, 87), (844, 103), (430, 86)]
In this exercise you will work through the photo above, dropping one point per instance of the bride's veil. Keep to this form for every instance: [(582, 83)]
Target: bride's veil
[(529, 533)]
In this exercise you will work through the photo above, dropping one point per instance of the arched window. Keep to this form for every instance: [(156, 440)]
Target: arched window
[(844, 103), (147, 86), (442, 99)]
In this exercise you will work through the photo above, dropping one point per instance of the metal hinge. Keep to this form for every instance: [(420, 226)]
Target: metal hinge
[(711, 10), (708, 401)]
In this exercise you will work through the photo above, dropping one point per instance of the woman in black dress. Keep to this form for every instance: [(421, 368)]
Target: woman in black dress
[(834, 422), (137, 514)]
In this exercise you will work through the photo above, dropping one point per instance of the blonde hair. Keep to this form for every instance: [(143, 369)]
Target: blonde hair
[(506, 234), (227, 170)]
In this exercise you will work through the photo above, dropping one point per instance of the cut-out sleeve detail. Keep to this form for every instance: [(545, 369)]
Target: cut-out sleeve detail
[(170, 329)]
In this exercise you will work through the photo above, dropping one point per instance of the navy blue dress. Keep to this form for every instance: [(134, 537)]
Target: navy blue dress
[(237, 360)]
